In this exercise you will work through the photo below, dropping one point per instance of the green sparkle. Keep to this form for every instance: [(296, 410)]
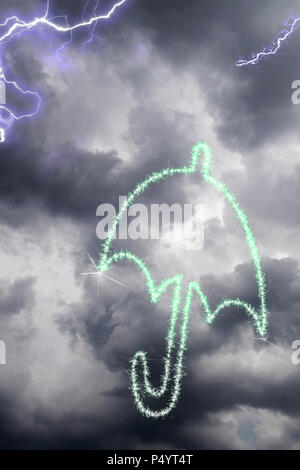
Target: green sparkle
[(171, 380)]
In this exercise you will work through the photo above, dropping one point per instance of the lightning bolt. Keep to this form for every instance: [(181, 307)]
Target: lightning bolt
[(21, 26), (20, 89), (93, 27), (15, 27), (2, 101), (290, 27)]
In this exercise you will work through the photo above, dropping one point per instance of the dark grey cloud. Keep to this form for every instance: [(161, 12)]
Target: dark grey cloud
[(17, 297), (250, 105)]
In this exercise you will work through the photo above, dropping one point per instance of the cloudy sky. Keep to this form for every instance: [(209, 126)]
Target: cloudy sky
[(158, 78)]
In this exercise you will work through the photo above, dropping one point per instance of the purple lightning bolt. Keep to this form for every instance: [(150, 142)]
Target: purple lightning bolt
[(14, 27), (290, 27)]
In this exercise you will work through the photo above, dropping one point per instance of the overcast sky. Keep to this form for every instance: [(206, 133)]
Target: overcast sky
[(158, 78)]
